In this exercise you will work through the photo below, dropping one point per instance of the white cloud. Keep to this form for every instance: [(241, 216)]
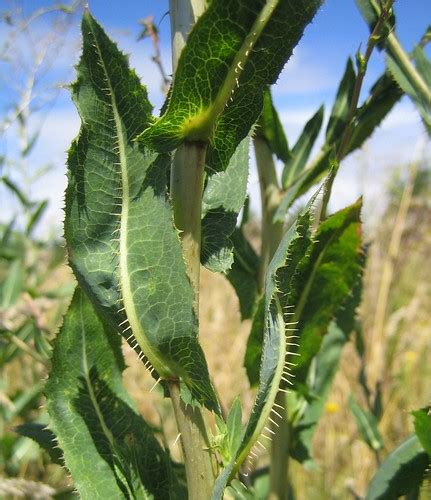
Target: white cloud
[(303, 75)]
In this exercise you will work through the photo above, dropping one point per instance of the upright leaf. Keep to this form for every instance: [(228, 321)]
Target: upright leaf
[(384, 94), (234, 51), (401, 473), (340, 109), (110, 451), (324, 280), (418, 87), (275, 323), (272, 129), (122, 243), (302, 149)]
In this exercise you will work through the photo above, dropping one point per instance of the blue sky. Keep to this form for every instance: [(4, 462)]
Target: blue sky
[(309, 79)]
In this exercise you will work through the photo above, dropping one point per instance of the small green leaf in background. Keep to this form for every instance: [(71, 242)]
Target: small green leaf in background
[(401, 473), (271, 128), (417, 88), (14, 188), (367, 425), (302, 149), (340, 109), (243, 275), (109, 449), (223, 198), (422, 422), (12, 285), (384, 94), (36, 216)]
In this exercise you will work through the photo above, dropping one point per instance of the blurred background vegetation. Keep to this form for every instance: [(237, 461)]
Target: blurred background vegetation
[(385, 369)]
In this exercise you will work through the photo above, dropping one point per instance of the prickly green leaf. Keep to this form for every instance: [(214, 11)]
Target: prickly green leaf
[(274, 342), (234, 51), (367, 425), (384, 94), (243, 275), (110, 451), (122, 243), (254, 344), (302, 149), (401, 473), (223, 198), (340, 109), (271, 128), (44, 438), (323, 281), (422, 421)]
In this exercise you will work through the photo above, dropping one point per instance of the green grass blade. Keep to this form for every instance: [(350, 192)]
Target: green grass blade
[(121, 239), (110, 451), (234, 51), (367, 425)]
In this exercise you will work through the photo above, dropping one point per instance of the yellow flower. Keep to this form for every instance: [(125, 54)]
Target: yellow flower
[(332, 407)]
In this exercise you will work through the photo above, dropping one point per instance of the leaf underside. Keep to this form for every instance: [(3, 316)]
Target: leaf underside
[(122, 243), (234, 51)]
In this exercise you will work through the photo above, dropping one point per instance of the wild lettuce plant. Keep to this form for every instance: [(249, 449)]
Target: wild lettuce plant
[(149, 200)]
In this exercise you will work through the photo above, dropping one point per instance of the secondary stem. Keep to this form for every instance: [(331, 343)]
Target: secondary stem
[(342, 150), (270, 200), (187, 174)]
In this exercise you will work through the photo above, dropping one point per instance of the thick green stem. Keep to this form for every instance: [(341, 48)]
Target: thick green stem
[(195, 446), (272, 233), (187, 175), (186, 186)]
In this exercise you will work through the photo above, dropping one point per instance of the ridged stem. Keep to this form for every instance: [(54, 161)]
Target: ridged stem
[(186, 185)]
